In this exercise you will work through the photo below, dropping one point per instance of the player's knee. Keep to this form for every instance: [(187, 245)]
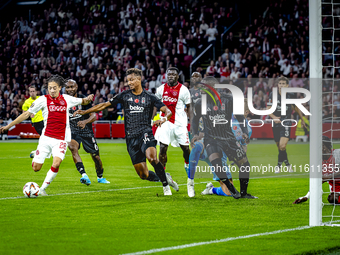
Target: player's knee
[(36, 167), (143, 176), (153, 160), (333, 198), (282, 147)]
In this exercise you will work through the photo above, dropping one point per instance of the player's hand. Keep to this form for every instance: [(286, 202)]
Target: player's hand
[(89, 98), (80, 112), (300, 200), (245, 138), (277, 121), (158, 123), (193, 140), (82, 124), (3, 129), (32, 116)]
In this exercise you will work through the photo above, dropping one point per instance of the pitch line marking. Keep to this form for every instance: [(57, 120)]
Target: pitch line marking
[(146, 187), (215, 241)]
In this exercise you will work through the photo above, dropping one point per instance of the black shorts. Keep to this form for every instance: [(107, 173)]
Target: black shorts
[(281, 131), (137, 146), (38, 126), (231, 147), (89, 143)]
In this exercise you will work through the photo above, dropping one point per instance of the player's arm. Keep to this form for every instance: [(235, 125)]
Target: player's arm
[(87, 100), (96, 108), (242, 123), (188, 111), (166, 117), (20, 118), (274, 117), (303, 124), (82, 124), (195, 121)]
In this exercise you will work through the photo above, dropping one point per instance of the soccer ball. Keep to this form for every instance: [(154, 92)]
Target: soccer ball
[(31, 190)]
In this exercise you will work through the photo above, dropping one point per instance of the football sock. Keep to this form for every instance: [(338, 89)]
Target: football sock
[(222, 175), (51, 174), (193, 159), (244, 177), (281, 158), (100, 172), (80, 168), (285, 158), (159, 169), (153, 177), (219, 192)]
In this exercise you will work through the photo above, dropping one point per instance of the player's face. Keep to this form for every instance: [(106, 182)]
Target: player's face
[(53, 89), (325, 152), (196, 77), (172, 77), (33, 93), (282, 84), (134, 81), (71, 88)]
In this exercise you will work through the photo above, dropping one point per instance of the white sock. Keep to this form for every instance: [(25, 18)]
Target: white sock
[(83, 174), (186, 165), (307, 196), (49, 178), (210, 192)]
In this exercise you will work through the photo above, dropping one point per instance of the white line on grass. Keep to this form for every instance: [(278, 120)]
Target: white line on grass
[(146, 187), (215, 241)]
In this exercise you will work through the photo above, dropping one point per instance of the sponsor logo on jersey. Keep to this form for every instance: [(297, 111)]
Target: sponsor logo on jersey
[(217, 117), (54, 108), (136, 108), (136, 100), (169, 99)]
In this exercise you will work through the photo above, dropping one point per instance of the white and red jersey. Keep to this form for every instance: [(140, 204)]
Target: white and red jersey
[(55, 113), (175, 98), (330, 165)]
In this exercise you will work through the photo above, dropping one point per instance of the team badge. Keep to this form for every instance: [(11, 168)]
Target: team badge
[(234, 127), (62, 102), (136, 100), (175, 93), (223, 107), (93, 140), (215, 108), (196, 95), (32, 105), (143, 100), (238, 144)]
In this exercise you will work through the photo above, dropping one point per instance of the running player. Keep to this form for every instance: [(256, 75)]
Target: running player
[(56, 132), (37, 119), (282, 133), (138, 105), (81, 130), (330, 163), (218, 138), (176, 97)]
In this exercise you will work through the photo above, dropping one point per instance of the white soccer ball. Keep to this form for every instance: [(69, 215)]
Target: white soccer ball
[(31, 190)]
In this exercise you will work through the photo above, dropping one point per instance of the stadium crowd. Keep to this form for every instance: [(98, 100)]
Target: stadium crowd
[(94, 42)]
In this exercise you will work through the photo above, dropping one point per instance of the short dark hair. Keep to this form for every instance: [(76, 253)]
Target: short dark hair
[(134, 71), (173, 68), (57, 79), (32, 87), (210, 80), (282, 78)]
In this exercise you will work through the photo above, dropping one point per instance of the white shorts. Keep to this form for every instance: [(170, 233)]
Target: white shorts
[(48, 145), (168, 134)]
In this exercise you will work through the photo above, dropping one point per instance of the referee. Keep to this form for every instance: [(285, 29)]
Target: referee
[(37, 120)]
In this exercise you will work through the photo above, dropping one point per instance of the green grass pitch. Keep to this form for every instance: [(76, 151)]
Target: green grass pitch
[(131, 215)]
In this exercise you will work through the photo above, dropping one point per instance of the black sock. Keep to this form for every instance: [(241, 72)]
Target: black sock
[(159, 169), (153, 177), (244, 177), (100, 172), (80, 168), (281, 157), (222, 175), (285, 158)]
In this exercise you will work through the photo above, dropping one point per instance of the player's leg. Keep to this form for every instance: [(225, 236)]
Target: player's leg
[(283, 152), (163, 135), (181, 136), (90, 146), (59, 149), (194, 157), (216, 161), (74, 146), (276, 132), (38, 126), (333, 198), (163, 157)]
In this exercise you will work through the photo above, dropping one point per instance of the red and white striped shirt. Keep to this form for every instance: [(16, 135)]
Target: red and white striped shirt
[(55, 113)]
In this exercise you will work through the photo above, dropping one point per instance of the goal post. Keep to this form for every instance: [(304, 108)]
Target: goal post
[(315, 146)]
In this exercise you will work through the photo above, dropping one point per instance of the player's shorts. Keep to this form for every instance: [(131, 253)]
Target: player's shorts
[(89, 143), (137, 146), (169, 133), (231, 147), (38, 126), (48, 145), (281, 131)]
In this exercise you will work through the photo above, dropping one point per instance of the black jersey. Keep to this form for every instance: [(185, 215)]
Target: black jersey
[(289, 107), (216, 122), (195, 94), (87, 131), (138, 110)]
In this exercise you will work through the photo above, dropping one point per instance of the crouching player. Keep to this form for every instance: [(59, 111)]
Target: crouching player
[(56, 133), (331, 175)]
